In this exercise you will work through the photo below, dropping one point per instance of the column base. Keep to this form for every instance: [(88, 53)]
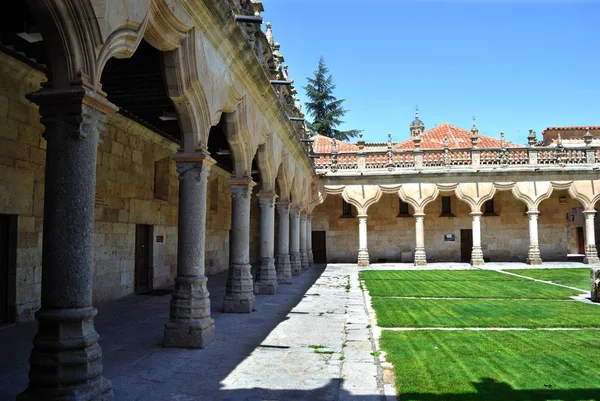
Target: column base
[(534, 257), (420, 257), (190, 325), (239, 296), (363, 258), (66, 360), (296, 263), (266, 278), (304, 260), (595, 281), (477, 257), (591, 255), (195, 334), (284, 269), (311, 260)]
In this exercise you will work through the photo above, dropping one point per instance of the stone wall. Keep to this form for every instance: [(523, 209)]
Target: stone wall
[(22, 164), (504, 234), (218, 221), (127, 194), (137, 183)]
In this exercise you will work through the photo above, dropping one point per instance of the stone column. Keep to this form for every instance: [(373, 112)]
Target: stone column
[(533, 256), (283, 265), (66, 360), (591, 254), (420, 256), (595, 279), (363, 251), (476, 253), (239, 293), (266, 276), (190, 324), (309, 251), (295, 241), (303, 253)]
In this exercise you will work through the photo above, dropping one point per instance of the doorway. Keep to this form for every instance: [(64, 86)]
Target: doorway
[(8, 272), (466, 245), (580, 241), (319, 247), (143, 258)]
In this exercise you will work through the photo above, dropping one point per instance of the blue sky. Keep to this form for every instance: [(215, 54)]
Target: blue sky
[(514, 65)]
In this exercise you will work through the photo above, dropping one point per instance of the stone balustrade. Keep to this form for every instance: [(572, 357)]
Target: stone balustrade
[(476, 159)]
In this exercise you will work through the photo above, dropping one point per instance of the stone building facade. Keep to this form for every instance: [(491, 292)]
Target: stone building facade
[(149, 144)]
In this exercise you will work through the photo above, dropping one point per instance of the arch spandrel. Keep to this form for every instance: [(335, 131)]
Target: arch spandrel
[(168, 25), (319, 194), (532, 193), (390, 189), (362, 196), (418, 195), (188, 96), (285, 176), (269, 156), (241, 142), (475, 194), (587, 192)]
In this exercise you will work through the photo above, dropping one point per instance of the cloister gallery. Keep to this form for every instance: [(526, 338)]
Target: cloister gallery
[(146, 144)]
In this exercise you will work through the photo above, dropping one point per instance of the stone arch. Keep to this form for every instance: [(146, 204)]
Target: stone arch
[(587, 192), (285, 177), (242, 144), (269, 156), (187, 93), (475, 194), (418, 195), (318, 195), (362, 196), (72, 34), (532, 193)]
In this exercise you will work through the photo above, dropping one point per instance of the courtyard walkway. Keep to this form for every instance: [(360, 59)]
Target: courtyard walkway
[(311, 341)]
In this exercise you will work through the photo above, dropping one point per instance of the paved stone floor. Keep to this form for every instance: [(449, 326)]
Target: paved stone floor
[(264, 355)]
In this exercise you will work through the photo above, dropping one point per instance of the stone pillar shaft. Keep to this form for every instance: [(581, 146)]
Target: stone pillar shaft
[(295, 241), (420, 255), (266, 276), (591, 253), (303, 252), (363, 251), (284, 266), (66, 360), (476, 253), (309, 251), (533, 255), (190, 324), (239, 293)]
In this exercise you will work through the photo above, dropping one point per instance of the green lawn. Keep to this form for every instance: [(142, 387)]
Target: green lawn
[(394, 312), (459, 284), (495, 366), (578, 278), (488, 365)]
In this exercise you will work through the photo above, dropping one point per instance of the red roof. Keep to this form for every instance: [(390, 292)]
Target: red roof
[(573, 128), (457, 138), (430, 139)]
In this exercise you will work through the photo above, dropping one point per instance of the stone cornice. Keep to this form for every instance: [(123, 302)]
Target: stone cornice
[(216, 22)]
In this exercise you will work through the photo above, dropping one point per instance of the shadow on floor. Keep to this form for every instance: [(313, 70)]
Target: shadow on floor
[(131, 337)]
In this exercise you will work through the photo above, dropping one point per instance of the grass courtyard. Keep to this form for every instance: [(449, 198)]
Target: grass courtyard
[(486, 335)]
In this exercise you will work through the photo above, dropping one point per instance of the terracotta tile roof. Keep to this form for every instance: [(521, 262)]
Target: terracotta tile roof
[(323, 144), (457, 138), (573, 128), (431, 139)]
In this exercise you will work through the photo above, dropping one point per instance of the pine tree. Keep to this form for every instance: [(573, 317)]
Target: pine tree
[(324, 107)]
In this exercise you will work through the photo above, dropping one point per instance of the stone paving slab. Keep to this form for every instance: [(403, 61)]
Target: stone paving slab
[(264, 355)]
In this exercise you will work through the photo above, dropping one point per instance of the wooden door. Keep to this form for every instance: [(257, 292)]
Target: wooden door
[(143, 257), (580, 241), (8, 239), (466, 245), (319, 247)]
